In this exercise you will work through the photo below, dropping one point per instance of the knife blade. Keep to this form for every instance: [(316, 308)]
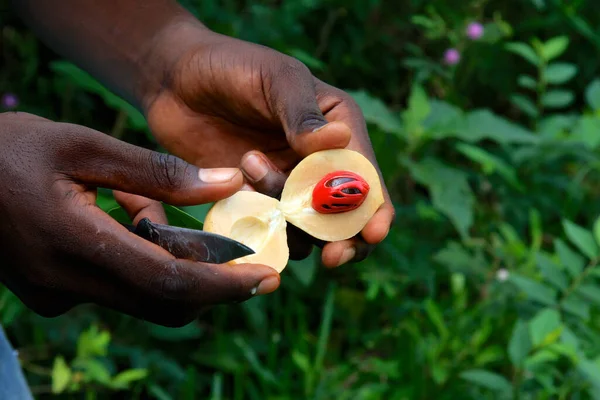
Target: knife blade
[(191, 244)]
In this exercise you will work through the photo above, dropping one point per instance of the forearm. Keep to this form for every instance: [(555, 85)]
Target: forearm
[(128, 45)]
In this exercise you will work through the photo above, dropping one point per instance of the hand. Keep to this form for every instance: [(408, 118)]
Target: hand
[(58, 249), (226, 98)]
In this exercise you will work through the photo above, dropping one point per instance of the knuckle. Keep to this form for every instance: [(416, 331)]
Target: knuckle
[(349, 102), (291, 68), (170, 283), (168, 171)]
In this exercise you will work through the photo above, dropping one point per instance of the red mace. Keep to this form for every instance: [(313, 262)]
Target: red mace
[(339, 191)]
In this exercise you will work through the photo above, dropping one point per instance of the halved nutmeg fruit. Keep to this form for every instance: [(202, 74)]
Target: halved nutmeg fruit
[(330, 195)]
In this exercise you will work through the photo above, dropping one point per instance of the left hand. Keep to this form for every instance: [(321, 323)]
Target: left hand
[(228, 102)]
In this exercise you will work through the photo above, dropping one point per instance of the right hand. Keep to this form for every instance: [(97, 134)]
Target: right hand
[(58, 249)]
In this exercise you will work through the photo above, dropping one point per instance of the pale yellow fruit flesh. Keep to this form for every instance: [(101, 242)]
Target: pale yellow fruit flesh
[(297, 195), (255, 220), (259, 221)]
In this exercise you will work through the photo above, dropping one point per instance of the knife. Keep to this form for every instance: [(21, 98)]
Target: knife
[(191, 244)]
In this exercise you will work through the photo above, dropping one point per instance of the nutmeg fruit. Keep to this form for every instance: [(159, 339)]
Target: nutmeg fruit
[(330, 195)]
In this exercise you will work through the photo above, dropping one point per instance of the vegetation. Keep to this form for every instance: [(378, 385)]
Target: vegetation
[(487, 287)]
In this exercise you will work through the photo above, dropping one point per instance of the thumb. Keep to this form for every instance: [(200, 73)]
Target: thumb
[(110, 163), (293, 97)]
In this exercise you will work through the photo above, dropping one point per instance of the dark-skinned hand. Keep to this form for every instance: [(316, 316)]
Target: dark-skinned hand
[(229, 103), (58, 249)]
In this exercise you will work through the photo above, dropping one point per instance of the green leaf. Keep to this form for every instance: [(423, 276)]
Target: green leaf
[(551, 272), (178, 217), (564, 350), (487, 379), (444, 120), (526, 81), (61, 375), (524, 104), (581, 238), (254, 362), (576, 305), (555, 47), (540, 358), (418, 104), (571, 260), (559, 73), (525, 51), (123, 379), (587, 131), (449, 190), (520, 343), (435, 316), (557, 98), (597, 231), (92, 343), (556, 126), (94, 370), (159, 393), (86, 82), (490, 163), (591, 370), (105, 200), (175, 217), (483, 124), (301, 361), (568, 338), (592, 95), (417, 111), (590, 292), (545, 327), (119, 214), (198, 211), (376, 112), (535, 290), (306, 269)]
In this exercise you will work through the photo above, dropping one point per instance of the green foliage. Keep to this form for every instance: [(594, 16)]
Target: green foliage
[(88, 369), (488, 285)]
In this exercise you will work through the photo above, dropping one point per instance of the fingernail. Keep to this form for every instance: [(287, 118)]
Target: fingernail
[(266, 286), (217, 175), (255, 167), (319, 128), (347, 255)]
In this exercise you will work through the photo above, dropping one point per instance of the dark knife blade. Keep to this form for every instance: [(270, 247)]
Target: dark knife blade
[(191, 244)]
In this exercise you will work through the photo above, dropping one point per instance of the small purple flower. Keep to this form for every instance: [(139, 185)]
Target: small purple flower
[(9, 101), (451, 57), (475, 30)]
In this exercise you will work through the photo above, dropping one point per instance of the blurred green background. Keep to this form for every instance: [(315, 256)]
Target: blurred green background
[(485, 116)]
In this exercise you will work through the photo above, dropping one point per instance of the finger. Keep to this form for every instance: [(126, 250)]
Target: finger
[(156, 274), (300, 243), (262, 174), (336, 254), (378, 227), (338, 106), (138, 208), (300, 115), (107, 162)]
